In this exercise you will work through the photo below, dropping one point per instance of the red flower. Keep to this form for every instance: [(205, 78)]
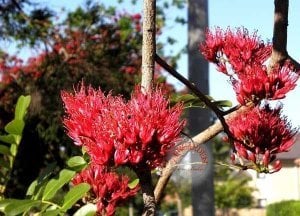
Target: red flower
[(238, 49), (256, 84), (115, 132), (241, 56), (108, 189), (260, 134)]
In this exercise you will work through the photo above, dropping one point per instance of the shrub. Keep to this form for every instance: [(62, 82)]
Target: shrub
[(284, 208)]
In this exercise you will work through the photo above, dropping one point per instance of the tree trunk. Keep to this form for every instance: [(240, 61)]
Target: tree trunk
[(199, 119)]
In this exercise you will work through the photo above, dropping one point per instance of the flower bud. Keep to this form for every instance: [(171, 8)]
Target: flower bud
[(277, 166), (266, 158)]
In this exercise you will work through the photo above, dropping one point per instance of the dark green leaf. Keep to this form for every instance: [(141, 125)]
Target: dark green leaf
[(190, 100), (134, 183), (55, 184), (4, 150), (38, 186), (223, 103), (86, 210), (4, 163), (74, 195), (52, 212), (16, 207), (10, 138), (21, 107)]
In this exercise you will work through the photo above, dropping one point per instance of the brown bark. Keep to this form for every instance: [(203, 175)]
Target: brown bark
[(279, 51), (148, 48), (148, 52)]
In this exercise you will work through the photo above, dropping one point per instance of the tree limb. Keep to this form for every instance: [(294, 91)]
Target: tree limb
[(278, 56), (148, 52), (148, 48), (198, 140), (279, 50)]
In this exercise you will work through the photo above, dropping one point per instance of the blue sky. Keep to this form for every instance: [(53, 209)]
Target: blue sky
[(252, 14)]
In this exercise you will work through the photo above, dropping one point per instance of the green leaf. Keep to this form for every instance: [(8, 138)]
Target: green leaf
[(16, 126), (86, 210), (190, 100), (4, 203), (74, 195), (37, 187), (22, 106), (4, 150), (13, 149), (4, 163), (31, 188), (9, 138), (134, 183), (55, 184), (223, 103), (52, 212), (16, 207), (76, 163)]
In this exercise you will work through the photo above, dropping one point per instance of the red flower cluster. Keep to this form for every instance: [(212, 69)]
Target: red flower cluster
[(10, 67), (260, 134), (115, 132), (238, 49), (241, 56), (108, 189), (256, 84)]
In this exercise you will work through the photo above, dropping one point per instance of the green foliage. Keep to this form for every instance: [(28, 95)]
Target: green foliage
[(190, 100), (10, 142), (233, 193), (231, 188), (46, 196), (86, 210), (284, 208)]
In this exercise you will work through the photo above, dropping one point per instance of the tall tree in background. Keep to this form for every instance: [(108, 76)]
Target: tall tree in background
[(199, 119)]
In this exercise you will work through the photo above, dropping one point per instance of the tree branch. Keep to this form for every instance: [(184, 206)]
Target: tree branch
[(219, 113), (148, 48), (147, 190), (148, 52), (279, 50), (197, 140)]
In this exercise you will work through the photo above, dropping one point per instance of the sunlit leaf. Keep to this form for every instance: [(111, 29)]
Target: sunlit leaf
[(55, 184), (16, 126), (223, 103), (86, 210), (74, 195), (134, 183), (9, 138), (76, 162), (16, 207), (37, 186), (21, 107)]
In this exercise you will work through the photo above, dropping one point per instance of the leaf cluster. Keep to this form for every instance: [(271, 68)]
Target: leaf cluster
[(10, 141)]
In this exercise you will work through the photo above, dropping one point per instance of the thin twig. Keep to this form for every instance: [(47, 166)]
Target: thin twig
[(219, 113)]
